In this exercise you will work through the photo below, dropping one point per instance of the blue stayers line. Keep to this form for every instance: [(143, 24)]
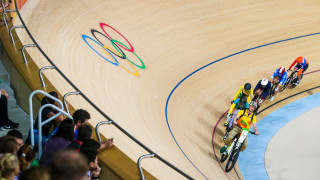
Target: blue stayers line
[(166, 111)]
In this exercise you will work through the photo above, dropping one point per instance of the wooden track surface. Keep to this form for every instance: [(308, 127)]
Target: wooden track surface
[(173, 39)]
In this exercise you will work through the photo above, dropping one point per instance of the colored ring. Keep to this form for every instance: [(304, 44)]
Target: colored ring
[(93, 31), (135, 73), (84, 38), (141, 67), (123, 46)]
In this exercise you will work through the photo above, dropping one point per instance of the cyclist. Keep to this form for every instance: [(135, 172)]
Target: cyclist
[(243, 119), (279, 76), (246, 91), (302, 66), (262, 89), (237, 105)]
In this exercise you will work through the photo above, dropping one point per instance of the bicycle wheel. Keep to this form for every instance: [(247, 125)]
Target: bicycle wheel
[(285, 84), (223, 157), (232, 160), (272, 90)]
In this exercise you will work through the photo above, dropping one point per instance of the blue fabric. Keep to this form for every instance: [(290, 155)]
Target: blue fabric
[(282, 78), (265, 89), (237, 103)]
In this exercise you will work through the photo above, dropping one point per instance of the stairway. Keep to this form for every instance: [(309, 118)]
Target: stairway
[(16, 114)]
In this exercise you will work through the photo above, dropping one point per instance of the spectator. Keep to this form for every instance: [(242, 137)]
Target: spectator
[(26, 155), (5, 122), (35, 173), (58, 142), (68, 165), (80, 117), (17, 135), (46, 114), (89, 149), (9, 166), (84, 132), (8, 145)]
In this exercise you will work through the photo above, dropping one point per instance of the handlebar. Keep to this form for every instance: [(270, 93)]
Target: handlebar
[(252, 132)]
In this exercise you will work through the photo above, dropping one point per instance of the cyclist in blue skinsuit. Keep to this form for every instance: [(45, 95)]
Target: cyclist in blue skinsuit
[(280, 75)]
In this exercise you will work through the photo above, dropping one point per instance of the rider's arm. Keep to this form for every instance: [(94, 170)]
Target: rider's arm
[(236, 96), (250, 95), (255, 128), (294, 62), (231, 108), (235, 119), (274, 74), (257, 86), (254, 124)]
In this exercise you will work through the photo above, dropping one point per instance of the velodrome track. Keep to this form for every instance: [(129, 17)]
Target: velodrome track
[(196, 55)]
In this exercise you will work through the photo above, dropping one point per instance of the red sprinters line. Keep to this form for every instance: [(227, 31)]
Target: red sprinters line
[(214, 130), (312, 72)]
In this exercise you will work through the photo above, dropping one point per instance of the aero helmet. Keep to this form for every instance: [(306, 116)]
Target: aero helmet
[(247, 86), (243, 100), (253, 103), (299, 59), (264, 82), (282, 70)]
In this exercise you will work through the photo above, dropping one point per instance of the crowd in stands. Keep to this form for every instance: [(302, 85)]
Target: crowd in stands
[(68, 151)]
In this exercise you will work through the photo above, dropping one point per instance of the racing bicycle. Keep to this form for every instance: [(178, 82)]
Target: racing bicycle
[(291, 80), (233, 150)]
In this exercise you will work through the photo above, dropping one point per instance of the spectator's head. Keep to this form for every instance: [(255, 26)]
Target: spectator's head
[(9, 166), (8, 145), (66, 130), (26, 155), (17, 135), (47, 100), (38, 172), (80, 117), (89, 149), (68, 165), (84, 132)]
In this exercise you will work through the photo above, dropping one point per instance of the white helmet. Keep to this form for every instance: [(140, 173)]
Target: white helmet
[(253, 103), (264, 82)]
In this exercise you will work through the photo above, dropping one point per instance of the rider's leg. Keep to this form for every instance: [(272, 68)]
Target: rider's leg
[(235, 130), (300, 76), (234, 115), (230, 118), (244, 144)]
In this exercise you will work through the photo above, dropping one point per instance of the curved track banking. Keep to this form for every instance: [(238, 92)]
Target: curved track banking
[(173, 38), (194, 72)]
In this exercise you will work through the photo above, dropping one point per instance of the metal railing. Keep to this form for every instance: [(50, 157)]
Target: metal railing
[(10, 32), (22, 51), (31, 110), (65, 99), (40, 123), (90, 102), (139, 164), (40, 73)]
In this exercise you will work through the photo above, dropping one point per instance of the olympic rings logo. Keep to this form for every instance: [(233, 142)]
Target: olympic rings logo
[(117, 51)]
